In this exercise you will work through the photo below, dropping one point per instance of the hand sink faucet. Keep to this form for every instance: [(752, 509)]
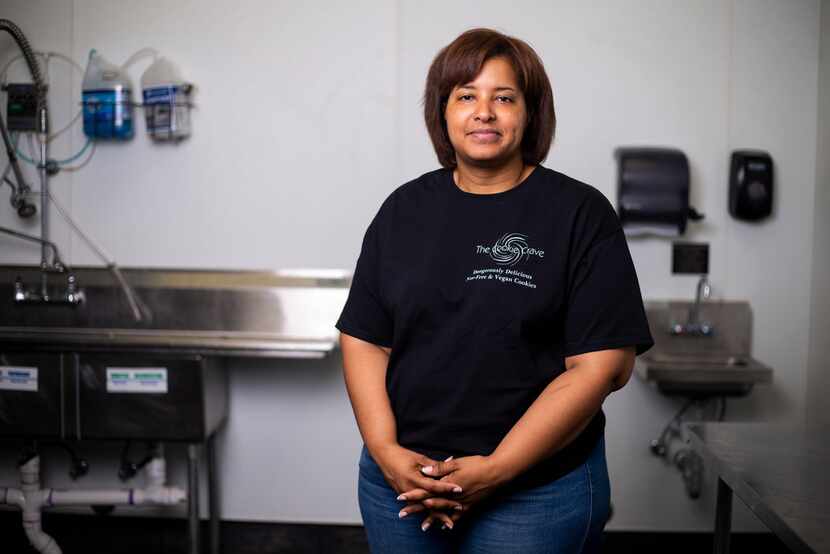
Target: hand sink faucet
[(693, 325)]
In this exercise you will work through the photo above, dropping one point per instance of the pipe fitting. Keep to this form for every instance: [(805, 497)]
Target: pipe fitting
[(12, 497), (156, 472), (31, 499), (166, 496)]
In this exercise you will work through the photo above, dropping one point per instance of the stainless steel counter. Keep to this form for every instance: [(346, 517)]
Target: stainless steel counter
[(779, 472)]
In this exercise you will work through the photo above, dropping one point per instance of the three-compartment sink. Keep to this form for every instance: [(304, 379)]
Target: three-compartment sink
[(226, 313), (92, 370)]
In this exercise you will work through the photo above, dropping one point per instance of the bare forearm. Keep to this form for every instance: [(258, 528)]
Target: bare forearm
[(562, 411), (364, 370), (555, 418)]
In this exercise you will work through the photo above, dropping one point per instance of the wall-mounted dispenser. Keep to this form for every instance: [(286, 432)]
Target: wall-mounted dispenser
[(653, 191), (166, 101), (750, 185)]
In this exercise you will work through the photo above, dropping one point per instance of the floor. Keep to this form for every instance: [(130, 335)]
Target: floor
[(133, 535)]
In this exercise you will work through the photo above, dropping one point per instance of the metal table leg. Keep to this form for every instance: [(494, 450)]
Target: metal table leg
[(723, 518), (213, 497), (193, 497)]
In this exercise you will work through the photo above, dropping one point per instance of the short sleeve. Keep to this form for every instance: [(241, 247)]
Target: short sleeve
[(364, 316), (604, 305)]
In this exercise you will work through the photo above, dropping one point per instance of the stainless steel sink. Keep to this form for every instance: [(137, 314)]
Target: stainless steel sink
[(86, 364), (231, 313), (718, 363)]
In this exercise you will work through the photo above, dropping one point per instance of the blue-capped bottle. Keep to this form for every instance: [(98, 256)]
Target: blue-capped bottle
[(107, 100)]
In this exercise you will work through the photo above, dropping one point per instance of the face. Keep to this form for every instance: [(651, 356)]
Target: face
[(486, 117)]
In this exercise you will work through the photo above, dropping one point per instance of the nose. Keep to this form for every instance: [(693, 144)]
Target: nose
[(484, 111)]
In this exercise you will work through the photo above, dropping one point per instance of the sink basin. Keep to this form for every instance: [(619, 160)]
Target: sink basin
[(715, 364), (699, 360), (231, 313)]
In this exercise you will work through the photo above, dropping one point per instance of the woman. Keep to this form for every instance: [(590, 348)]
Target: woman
[(493, 308)]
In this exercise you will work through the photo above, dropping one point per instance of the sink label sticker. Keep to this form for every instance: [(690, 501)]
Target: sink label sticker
[(18, 378), (147, 380)]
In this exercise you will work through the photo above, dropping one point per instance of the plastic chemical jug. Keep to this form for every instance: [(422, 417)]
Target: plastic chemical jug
[(107, 100), (166, 101)]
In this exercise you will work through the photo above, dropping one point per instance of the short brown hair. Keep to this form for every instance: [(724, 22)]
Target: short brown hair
[(460, 61)]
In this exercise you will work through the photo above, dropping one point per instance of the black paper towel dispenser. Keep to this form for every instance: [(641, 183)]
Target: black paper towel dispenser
[(653, 191)]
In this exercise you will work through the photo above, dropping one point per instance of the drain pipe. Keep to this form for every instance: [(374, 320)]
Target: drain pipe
[(31, 499)]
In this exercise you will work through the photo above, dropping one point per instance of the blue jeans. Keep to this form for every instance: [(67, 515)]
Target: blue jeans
[(565, 516)]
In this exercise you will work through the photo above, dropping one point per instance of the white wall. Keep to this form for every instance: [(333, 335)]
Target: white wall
[(309, 115), (818, 380)]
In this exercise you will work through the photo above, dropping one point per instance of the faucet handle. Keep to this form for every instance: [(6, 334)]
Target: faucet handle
[(19, 290), (707, 288), (73, 294), (71, 283)]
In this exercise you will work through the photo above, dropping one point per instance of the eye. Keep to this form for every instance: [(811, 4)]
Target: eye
[(465, 97), (505, 99)]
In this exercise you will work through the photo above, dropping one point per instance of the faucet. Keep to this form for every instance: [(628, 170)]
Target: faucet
[(71, 296), (693, 325)]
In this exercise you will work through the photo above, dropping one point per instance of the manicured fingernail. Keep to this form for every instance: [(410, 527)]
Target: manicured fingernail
[(448, 525), (448, 459), (402, 514), (425, 526), (457, 489), (443, 526), (427, 469), (402, 497), (459, 508)]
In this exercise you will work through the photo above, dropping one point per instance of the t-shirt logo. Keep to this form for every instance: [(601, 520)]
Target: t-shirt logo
[(510, 249)]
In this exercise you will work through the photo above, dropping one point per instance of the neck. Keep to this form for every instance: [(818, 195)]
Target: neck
[(480, 179)]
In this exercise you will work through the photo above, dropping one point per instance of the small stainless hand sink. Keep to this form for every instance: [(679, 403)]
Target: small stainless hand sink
[(716, 363)]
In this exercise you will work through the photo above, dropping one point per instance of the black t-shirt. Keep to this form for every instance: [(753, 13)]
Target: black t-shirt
[(482, 296)]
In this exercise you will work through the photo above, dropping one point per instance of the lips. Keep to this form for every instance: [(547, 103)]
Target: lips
[(485, 135)]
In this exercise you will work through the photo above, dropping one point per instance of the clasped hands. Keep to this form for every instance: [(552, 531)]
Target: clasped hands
[(445, 490)]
